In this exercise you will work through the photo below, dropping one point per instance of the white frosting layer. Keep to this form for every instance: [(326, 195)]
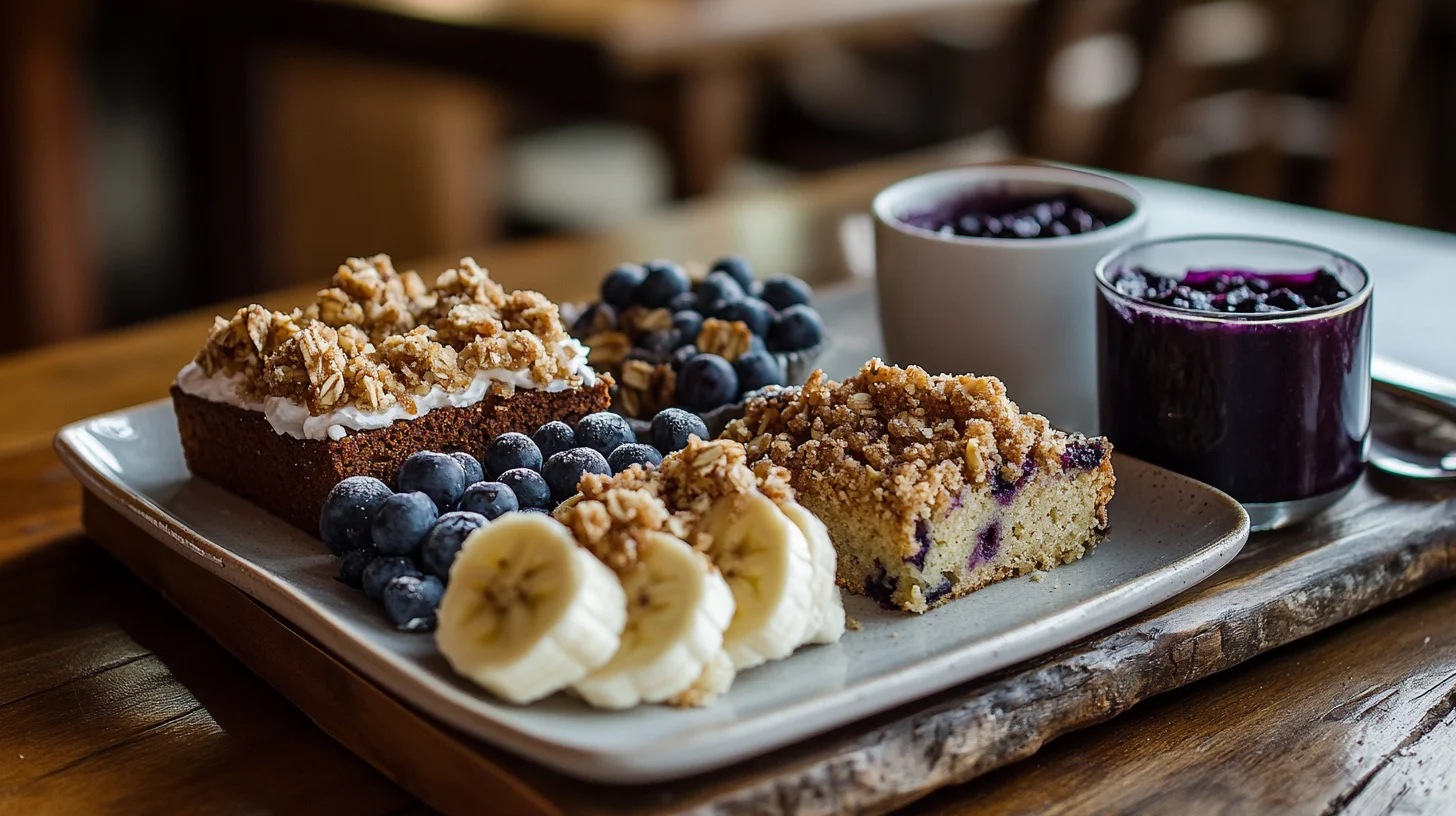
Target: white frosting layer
[(290, 418)]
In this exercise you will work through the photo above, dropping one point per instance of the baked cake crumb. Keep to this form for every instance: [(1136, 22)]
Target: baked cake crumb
[(931, 486)]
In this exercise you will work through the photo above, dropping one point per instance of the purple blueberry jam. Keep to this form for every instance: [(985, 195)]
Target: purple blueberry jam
[(987, 545), (1083, 454), (939, 591), (1233, 291), (880, 587), (1255, 382), (997, 215), (922, 537), (1003, 491)]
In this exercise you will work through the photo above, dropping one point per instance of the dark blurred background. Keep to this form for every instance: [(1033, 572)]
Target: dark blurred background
[(157, 155)]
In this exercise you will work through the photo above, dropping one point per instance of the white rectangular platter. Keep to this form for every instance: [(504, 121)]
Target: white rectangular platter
[(1168, 533)]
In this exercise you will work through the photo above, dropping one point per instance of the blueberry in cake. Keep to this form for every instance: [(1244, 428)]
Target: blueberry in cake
[(931, 486), (279, 407)]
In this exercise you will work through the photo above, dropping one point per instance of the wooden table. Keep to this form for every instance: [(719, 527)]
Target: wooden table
[(112, 701)]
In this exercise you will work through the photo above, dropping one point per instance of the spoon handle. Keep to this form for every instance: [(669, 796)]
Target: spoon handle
[(1434, 392)]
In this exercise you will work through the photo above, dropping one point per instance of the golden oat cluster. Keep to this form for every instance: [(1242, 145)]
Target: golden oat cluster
[(376, 338)]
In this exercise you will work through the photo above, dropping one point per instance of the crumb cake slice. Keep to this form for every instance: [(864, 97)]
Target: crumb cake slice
[(279, 407), (931, 486)]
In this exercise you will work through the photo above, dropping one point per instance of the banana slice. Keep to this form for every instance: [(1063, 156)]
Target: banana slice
[(527, 612), (766, 562), (714, 680), (678, 606), (828, 620)]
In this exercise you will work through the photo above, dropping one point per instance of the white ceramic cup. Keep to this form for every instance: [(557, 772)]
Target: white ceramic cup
[(1019, 309)]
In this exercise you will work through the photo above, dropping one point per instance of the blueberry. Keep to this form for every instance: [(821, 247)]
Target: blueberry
[(687, 323), (672, 427), (756, 343), (1058, 229), (473, 471), (594, 319), (410, 601), (634, 453), (736, 267), (752, 311), (436, 475), (661, 343), (665, 280), (510, 451), (490, 499), (968, 225), (683, 354), (401, 523), (1079, 220), (603, 432), (351, 566), (706, 382), (682, 302), (348, 511), (756, 370), (529, 486), (553, 437), (381, 571), (718, 308), (1286, 301), (1026, 228), (784, 291), (718, 286), (619, 287), (797, 327), (564, 470), (443, 541)]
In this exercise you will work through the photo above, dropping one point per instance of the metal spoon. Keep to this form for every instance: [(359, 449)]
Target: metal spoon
[(1433, 393)]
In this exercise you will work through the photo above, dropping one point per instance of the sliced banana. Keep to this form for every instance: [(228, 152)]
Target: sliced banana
[(715, 680), (766, 562), (678, 607), (527, 612), (827, 625)]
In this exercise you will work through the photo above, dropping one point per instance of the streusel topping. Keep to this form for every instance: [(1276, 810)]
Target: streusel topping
[(897, 437), (376, 338), (613, 513)]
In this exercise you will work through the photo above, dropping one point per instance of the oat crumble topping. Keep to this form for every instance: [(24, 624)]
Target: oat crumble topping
[(614, 513), (898, 438), (376, 337)]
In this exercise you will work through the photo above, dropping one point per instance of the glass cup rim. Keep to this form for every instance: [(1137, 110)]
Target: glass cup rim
[(1356, 299)]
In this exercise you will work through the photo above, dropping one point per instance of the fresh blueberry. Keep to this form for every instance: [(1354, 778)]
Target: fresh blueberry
[(351, 566), (634, 453), (436, 475), (443, 541), (797, 328), (660, 344), (381, 571), (1286, 301), (706, 382), (473, 471), (349, 510), (490, 499), (682, 302), (756, 343), (682, 355), (672, 427), (594, 319), (410, 601), (529, 486), (758, 369), (510, 451), (718, 286), (619, 287), (665, 280), (736, 267), (553, 437), (688, 324), (564, 470), (784, 291), (718, 308), (603, 432), (402, 522), (752, 311)]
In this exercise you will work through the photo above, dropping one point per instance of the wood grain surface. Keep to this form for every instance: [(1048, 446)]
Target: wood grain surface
[(112, 701)]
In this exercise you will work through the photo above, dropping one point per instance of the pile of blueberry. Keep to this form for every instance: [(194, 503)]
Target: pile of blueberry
[(398, 545), (1016, 218), (777, 311), (1232, 291)]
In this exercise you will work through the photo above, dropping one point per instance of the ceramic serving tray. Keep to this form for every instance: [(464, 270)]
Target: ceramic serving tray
[(1168, 533)]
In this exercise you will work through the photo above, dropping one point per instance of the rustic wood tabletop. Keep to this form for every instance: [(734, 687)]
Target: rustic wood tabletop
[(113, 701)]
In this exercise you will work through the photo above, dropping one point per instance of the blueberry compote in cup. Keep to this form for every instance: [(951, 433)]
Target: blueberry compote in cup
[(1243, 362), (984, 270)]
